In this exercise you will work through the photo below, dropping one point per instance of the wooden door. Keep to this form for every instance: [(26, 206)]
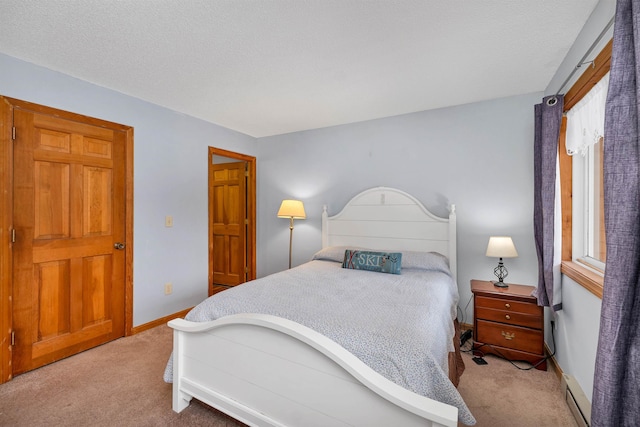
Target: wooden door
[(69, 219), (228, 212)]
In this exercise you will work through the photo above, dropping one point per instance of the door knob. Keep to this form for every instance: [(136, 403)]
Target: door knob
[(119, 246)]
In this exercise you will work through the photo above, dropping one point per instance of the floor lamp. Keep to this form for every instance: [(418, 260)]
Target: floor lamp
[(292, 209)]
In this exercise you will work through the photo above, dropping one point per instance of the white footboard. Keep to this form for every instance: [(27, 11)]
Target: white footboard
[(268, 371)]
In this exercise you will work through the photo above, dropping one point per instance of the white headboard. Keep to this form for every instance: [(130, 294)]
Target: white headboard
[(390, 219)]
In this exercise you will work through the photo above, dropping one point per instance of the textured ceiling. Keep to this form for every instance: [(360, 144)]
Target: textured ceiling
[(266, 67)]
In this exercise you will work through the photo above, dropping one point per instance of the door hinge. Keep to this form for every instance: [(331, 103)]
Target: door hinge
[(13, 235), (13, 338), (246, 221), (246, 270), (13, 133)]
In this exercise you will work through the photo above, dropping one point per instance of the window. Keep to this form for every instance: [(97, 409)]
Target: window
[(585, 143), (589, 246), (595, 249), (581, 175)]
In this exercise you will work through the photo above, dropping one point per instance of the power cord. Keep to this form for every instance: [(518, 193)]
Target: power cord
[(464, 335), (467, 347), (463, 312)]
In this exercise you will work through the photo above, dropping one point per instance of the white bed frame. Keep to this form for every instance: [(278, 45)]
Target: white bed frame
[(268, 371)]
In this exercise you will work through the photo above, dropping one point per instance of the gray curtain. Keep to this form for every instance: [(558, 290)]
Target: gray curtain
[(548, 117), (616, 388)]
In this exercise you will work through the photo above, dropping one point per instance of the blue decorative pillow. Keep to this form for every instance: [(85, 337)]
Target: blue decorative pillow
[(383, 262)]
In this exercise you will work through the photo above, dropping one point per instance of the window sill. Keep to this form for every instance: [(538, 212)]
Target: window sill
[(590, 280)]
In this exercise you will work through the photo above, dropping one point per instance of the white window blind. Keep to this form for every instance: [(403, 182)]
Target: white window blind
[(585, 121)]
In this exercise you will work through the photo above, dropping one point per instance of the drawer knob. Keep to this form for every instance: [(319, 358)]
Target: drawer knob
[(508, 335), (507, 305), (507, 317)]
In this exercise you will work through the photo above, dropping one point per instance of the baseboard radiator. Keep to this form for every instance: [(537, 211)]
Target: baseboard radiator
[(576, 400)]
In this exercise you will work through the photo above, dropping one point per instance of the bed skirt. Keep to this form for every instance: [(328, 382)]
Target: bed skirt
[(456, 364)]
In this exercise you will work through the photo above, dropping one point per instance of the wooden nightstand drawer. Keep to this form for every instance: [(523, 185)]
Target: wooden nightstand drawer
[(508, 305), (513, 318), (515, 337)]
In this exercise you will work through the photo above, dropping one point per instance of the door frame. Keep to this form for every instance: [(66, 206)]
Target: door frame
[(7, 105), (251, 210)]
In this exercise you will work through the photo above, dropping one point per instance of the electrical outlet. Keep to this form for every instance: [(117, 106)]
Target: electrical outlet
[(168, 288), (168, 221)]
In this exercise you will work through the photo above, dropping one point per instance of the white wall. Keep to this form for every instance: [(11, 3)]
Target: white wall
[(576, 331), (478, 156), (170, 167)]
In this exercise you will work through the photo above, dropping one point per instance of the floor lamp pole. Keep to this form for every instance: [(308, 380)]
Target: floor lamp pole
[(290, 238)]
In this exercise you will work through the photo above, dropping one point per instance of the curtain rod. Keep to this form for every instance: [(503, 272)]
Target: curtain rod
[(583, 60)]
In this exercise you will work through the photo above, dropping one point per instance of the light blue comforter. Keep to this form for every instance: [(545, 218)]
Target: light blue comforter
[(399, 325)]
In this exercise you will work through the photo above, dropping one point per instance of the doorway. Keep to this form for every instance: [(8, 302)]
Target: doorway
[(232, 219), (67, 228)]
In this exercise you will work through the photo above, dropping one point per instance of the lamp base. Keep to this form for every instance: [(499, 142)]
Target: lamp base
[(499, 284)]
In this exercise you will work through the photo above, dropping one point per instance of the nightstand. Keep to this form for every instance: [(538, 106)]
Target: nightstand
[(508, 322)]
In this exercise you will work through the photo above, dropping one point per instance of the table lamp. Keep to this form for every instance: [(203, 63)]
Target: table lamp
[(501, 247)]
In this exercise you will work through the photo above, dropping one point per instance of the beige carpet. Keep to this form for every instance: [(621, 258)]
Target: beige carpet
[(120, 384), (499, 394)]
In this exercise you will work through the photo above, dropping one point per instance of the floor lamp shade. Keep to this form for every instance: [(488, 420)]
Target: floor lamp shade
[(292, 209)]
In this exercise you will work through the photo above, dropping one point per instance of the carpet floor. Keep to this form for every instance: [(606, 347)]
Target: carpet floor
[(120, 384)]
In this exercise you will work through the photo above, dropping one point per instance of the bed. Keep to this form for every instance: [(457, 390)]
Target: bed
[(323, 345)]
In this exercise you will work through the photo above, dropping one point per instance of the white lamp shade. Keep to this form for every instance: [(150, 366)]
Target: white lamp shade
[(501, 247), (292, 209)]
